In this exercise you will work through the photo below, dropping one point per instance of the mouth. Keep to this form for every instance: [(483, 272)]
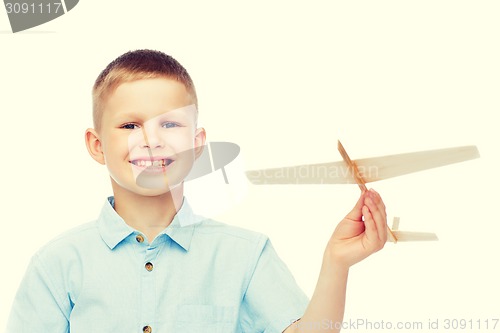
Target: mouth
[(152, 165)]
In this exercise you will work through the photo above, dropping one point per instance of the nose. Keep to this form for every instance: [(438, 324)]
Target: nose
[(151, 138)]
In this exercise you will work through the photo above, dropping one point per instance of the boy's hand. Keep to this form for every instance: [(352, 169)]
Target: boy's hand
[(362, 232)]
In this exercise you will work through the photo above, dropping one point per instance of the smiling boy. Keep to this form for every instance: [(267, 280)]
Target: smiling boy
[(147, 121), (148, 263)]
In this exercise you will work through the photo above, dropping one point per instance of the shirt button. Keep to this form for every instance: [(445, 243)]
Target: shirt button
[(149, 266), (147, 329), (139, 238)]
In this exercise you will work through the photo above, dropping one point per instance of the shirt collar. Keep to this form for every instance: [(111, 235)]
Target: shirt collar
[(114, 230)]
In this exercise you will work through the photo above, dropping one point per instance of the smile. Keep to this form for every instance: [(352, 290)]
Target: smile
[(159, 163)]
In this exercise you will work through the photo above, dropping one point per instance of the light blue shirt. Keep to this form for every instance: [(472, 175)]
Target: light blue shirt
[(197, 276)]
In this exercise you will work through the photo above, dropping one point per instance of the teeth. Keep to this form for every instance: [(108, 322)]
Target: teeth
[(155, 163)]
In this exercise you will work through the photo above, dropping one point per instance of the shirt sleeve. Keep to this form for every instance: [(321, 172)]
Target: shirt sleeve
[(38, 306), (273, 300)]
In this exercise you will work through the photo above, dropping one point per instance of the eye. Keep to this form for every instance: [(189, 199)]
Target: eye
[(129, 126), (169, 124)]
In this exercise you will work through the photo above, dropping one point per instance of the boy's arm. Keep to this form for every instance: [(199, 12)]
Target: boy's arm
[(38, 307), (362, 232)]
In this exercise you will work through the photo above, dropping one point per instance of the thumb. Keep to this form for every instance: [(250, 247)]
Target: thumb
[(356, 213)]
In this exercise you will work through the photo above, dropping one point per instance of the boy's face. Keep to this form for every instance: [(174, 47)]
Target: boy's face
[(148, 135)]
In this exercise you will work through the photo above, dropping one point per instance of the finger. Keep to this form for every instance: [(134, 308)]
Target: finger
[(378, 215), (356, 213), (377, 199), (371, 231), (375, 242), (382, 223)]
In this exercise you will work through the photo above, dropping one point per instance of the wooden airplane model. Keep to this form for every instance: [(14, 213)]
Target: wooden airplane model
[(367, 170)]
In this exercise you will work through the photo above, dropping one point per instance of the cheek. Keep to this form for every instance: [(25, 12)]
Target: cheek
[(116, 149), (183, 140), (134, 139)]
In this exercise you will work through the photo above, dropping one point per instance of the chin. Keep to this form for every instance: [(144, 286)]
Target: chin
[(149, 184), (157, 183), (154, 190)]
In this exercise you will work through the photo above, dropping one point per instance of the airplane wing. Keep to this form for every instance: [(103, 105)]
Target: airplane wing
[(370, 169), (411, 236)]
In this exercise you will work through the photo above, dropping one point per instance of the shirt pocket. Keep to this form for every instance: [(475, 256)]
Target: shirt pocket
[(206, 318)]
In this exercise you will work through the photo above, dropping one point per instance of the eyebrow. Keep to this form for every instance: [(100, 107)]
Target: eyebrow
[(136, 116), (132, 116)]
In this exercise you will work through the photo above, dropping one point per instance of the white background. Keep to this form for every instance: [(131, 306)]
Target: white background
[(284, 80)]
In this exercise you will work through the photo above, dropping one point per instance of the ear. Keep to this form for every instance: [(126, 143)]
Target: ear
[(199, 141), (94, 146)]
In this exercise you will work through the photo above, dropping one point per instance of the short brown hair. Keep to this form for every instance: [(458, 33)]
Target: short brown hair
[(136, 65)]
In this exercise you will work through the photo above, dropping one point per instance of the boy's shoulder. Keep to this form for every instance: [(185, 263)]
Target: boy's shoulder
[(85, 233), (209, 235), (87, 237), (210, 227)]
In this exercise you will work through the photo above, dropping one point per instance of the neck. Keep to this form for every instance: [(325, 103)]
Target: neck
[(148, 214)]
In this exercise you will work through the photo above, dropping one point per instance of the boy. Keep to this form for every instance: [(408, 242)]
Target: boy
[(148, 264)]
